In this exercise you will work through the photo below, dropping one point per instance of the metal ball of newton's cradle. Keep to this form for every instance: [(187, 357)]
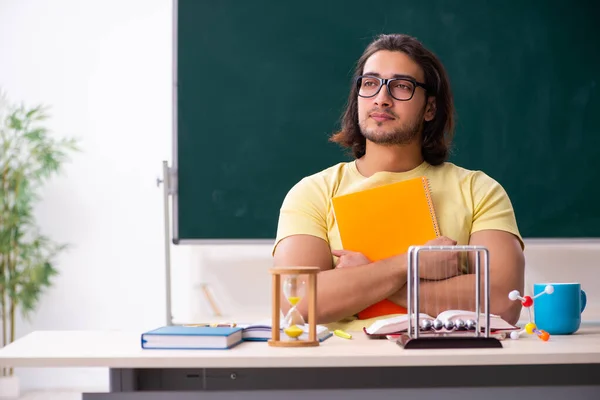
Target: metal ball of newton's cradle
[(426, 324), (437, 324), (460, 324), (470, 324), (449, 324)]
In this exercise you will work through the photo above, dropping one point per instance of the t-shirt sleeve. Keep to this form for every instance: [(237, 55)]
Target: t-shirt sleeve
[(492, 207), (303, 211)]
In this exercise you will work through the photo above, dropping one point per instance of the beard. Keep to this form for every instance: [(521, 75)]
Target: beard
[(399, 135)]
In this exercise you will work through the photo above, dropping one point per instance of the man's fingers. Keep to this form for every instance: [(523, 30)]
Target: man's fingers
[(338, 253), (445, 241)]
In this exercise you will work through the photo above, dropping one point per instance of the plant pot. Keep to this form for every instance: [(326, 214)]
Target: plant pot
[(9, 387)]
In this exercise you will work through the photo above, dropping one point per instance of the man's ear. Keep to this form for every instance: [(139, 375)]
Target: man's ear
[(430, 109)]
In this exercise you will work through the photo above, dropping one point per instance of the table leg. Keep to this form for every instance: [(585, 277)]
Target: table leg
[(122, 380)]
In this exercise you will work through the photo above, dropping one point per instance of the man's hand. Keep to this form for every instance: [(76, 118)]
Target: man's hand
[(349, 258), (355, 259), (438, 265)]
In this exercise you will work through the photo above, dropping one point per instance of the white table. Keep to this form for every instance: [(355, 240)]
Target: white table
[(339, 368)]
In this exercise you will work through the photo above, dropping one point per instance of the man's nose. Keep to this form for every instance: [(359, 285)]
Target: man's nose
[(383, 98)]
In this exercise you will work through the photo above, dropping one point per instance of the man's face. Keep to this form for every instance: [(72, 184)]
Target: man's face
[(384, 119)]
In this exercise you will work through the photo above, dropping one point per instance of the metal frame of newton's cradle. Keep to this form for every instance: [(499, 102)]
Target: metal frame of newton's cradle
[(413, 339)]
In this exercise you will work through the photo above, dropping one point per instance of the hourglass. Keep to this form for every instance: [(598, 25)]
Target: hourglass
[(293, 281)]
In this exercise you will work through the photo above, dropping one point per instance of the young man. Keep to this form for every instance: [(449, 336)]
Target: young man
[(399, 124)]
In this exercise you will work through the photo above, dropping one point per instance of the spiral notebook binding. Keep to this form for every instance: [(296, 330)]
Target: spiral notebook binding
[(427, 187)]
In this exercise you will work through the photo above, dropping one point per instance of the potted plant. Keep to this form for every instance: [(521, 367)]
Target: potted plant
[(29, 157)]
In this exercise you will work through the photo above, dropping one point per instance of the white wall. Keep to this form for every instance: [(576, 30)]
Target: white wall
[(105, 67), (566, 261)]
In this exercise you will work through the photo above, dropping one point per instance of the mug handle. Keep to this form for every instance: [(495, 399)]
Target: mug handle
[(583, 300)]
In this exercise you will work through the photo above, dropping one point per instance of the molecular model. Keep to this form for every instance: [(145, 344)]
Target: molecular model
[(527, 302)]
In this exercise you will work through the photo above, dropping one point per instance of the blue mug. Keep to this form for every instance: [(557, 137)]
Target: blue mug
[(559, 313)]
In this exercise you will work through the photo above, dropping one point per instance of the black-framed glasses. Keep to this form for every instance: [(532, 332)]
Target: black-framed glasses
[(401, 89)]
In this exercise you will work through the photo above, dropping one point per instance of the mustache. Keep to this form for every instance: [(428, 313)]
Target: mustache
[(379, 110)]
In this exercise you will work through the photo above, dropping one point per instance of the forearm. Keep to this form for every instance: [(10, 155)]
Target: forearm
[(458, 293), (345, 291)]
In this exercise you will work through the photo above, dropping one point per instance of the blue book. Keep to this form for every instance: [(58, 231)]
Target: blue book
[(192, 338)]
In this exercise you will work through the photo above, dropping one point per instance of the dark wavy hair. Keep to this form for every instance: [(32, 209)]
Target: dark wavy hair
[(437, 133)]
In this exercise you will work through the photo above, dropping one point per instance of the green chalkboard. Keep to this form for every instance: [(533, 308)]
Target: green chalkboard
[(260, 85)]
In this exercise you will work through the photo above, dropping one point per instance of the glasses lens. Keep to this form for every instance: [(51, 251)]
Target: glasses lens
[(368, 86), (402, 89)]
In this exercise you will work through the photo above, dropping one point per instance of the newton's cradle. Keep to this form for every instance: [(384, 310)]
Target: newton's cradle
[(448, 334)]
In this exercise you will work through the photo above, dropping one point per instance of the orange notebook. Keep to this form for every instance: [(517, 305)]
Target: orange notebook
[(385, 221)]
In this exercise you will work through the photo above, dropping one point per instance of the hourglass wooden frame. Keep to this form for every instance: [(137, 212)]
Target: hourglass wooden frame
[(276, 274)]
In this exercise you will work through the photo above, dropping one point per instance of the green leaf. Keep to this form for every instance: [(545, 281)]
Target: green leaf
[(29, 157)]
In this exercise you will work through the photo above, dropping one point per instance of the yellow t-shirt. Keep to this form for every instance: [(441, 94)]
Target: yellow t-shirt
[(465, 201)]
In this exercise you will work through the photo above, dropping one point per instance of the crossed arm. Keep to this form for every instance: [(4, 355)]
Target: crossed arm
[(340, 291), (345, 291), (507, 266)]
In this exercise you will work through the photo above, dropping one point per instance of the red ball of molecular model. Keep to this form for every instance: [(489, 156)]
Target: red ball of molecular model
[(527, 302)]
